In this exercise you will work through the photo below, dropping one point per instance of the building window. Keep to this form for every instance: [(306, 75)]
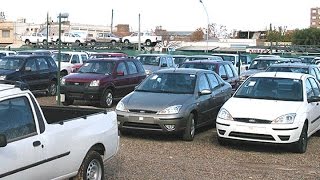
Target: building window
[(313, 17), (5, 33), (313, 23), (314, 11)]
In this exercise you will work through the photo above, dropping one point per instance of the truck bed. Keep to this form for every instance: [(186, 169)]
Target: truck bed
[(56, 114)]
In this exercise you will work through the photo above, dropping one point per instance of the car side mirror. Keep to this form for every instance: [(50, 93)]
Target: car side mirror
[(27, 68), (120, 73), (164, 65), (247, 67), (224, 77), (314, 99), (3, 140), (205, 92)]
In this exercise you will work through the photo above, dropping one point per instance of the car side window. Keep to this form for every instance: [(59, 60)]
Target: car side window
[(75, 59), (222, 71), (122, 68), (163, 62), (51, 62), (203, 83), (84, 57), (314, 86), (309, 90), (229, 71), (317, 72), (42, 63), (17, 119), (213, 81), (31, 63), (139, 66), (170, 62), (132, 67)]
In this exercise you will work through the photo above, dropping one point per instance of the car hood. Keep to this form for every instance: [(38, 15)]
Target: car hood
[(6, 71), (84, 77), (260, 108), (151, 68), (154, 101), (250, 72)]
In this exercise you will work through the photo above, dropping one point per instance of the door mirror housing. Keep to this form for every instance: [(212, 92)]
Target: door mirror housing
[(247, 67), (314, 99), (205, 92), (3, 140)]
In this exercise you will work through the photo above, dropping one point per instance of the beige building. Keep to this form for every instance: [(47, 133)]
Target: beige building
[(6, 32), (315, 17)]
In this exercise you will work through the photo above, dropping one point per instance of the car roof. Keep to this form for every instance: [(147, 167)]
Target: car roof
[(153, 55), (206, 61), (302, 65), (25, 56), (290, 75), (270, 59), (110, 59), (182, 70)]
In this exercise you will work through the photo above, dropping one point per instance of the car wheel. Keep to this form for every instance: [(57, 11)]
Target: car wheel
[(44, 41), (126, 41), (93, 42), (91, 167), (113, 42), (27, 41), (68, 102), (52, 89), (148, 42), (107, 99), (301, 145), (190, 129)]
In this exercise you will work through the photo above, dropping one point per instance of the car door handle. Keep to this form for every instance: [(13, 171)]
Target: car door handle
[(36, 143)]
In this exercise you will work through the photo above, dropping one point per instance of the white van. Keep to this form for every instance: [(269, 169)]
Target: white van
[(234, 58), (69, 60)]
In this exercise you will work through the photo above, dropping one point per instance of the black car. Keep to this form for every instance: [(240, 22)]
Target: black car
[(296, 67), (38, 72), (174, 100)]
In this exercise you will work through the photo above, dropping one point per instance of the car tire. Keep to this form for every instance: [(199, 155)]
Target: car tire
[(113, 42), (126, 41), (189, 132), (68, 102), (301, 145), (148, 42), (91, 167), (52, 89), (27, 42), (107, 99)]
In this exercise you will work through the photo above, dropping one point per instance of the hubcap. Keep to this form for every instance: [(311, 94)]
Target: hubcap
[(192, 130), (94, 170), (53, 89), (109, 99)]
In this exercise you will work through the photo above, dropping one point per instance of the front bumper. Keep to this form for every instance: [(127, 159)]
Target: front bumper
[(268, 133), (151, 122), (81, 92)]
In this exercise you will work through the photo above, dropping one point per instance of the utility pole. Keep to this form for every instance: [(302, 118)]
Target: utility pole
[(59, 62), (139, 37), (111, 21), (47, 30), (208, 23)]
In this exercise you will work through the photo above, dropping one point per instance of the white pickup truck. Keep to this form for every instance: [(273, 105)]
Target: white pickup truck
[(69, 38), (34, 38), (52, 142), (147, 38)]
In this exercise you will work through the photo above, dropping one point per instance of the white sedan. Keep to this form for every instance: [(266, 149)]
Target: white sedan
[(272, 107)]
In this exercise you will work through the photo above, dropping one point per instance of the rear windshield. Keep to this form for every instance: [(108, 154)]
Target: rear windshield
[(288, 69), (149, 60), (64, 57), (211, 67), (261, 64)]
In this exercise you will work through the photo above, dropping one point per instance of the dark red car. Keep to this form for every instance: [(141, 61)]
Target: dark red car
[(102, 80), (225, 69)]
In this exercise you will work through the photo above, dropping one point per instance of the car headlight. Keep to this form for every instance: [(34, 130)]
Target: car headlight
[(171, 110), (121, 107), (285, 119), (224, 114), (95, 83), (63, 81), (2, 77)]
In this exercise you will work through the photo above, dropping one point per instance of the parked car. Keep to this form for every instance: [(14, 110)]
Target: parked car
[(38, 72), (70, 61), (296, 67), (36, 52), (105, 37), (148, 38), (260, 65), (6, 53), (203, 57), (179, 59), (268, 55), (224, 69), (52, 142), (272, 107), (35, 38), (174, 100), (102, 80), (234, 59), (307, 59), (107, 55), (154, 62)]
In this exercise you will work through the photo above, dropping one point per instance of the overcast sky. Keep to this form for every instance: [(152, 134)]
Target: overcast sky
[(173, 15)]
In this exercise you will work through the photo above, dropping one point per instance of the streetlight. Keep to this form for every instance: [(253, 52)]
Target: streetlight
[(61, 15), (205, 9)]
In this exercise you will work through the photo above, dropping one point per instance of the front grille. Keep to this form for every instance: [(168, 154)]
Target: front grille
[(142, 111), (77, 83), (252, 136), (141, 125), (253, 121)]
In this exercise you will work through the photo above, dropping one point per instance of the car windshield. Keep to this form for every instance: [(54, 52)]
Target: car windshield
[(64, 57), (288, 69), (283, 89), (176, 83), (179, 60), (97, 67), (149, 60), (228, 58), (261, 64), (10, 64), (211, 67)]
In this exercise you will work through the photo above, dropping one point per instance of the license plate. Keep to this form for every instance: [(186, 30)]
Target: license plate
[(62, 98)]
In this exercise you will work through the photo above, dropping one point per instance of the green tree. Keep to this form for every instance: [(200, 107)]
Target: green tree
[(310, 36)]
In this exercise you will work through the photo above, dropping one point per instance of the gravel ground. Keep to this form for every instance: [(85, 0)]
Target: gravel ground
[(157, 156)]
